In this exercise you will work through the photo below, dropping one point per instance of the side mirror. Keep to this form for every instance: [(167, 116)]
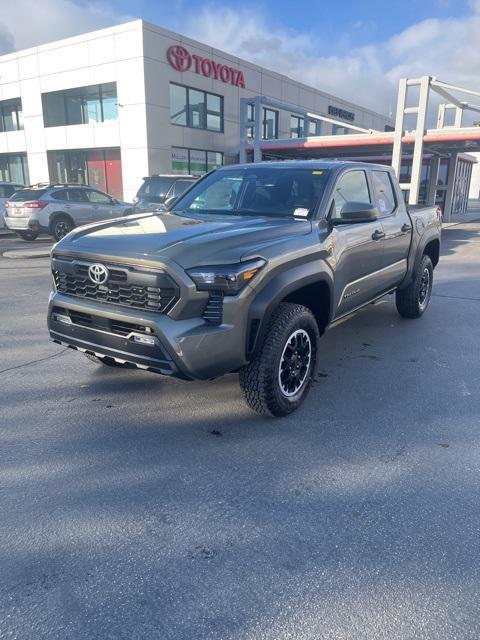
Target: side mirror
[(355, 212)]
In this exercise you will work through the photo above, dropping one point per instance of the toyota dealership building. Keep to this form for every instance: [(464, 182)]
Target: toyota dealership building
[(112, 106)]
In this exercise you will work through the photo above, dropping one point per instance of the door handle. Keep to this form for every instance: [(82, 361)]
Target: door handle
[(406, 228), (378, 235)]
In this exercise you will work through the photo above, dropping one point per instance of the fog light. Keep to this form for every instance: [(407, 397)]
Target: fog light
[(58, 317), (144, 340)]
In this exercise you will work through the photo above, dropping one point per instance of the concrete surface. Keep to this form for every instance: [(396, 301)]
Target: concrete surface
[(138, 507)]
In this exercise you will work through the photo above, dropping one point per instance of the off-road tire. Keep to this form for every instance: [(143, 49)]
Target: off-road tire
[(409, 299), (109, 362), (28, 236), (259, 380)]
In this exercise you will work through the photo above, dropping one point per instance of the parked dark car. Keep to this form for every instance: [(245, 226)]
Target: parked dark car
[(157, 190), (244, 273)]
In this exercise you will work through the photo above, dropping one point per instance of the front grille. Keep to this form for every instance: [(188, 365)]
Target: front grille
[(127, 286), (213, 313), (99, 323)]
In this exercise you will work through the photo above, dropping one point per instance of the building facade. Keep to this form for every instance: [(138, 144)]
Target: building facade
[(111, 106)]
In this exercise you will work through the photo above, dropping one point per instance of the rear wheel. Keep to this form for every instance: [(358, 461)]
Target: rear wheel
[(412, 301), (28, 236), (60, 226), (278, 379), (109, 362)]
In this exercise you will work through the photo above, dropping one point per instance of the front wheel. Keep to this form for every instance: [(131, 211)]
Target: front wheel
[(412, 301), (278, 379), (28, 236)]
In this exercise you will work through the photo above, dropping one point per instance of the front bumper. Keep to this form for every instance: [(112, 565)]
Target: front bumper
[(190, 349)]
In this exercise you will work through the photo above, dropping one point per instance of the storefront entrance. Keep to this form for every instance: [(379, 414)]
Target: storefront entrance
[(99, 168)]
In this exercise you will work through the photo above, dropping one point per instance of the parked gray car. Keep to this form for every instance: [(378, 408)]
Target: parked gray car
[(7, 189), (56, 209), (244, 274)]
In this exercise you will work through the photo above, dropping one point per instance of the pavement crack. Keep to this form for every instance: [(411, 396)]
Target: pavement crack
[(27, 364)]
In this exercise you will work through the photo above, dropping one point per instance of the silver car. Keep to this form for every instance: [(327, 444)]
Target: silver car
[(57, 209), (7, 189)]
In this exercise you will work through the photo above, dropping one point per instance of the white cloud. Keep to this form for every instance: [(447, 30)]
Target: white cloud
[(27, 23), (447, 48)]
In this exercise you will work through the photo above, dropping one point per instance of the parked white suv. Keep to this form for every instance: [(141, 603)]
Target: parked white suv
[(57, 209), (7, 189)]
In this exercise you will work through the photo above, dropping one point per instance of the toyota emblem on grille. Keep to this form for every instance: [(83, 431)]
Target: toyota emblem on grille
[(98, 273)]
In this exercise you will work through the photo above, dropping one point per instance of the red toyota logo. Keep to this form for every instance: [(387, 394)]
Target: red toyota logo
[(179, 58)]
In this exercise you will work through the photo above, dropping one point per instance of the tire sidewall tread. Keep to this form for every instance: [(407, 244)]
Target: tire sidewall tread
[(259, 379)]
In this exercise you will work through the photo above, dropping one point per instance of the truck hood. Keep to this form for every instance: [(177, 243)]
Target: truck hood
[(190, 241)]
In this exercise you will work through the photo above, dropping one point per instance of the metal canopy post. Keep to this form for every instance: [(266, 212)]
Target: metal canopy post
[(400, 117), (418, 144)]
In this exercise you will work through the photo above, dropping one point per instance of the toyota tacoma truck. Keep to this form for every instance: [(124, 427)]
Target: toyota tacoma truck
[(244, 273)]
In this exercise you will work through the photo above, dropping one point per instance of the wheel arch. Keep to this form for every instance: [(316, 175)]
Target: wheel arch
[(58, 214), (432, 250), (304, 285)]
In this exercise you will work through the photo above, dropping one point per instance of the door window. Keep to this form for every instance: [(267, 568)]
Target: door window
[(59, 195), (351, 187), (384, 195), (76, 195), (97, 197)]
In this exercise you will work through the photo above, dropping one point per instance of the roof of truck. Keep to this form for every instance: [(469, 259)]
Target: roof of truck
[(304, 164)]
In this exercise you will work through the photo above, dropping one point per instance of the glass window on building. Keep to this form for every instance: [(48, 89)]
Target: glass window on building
[(14, 168), (195, 161), (196, 103), (251, 118), (178, 104), (194, 108), (82, 105), (270, 124), (11, 115), (296, 127), (214, 112), (314, 127), (98, 168)]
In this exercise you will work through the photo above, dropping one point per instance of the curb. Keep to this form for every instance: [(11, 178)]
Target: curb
[(26, 253)]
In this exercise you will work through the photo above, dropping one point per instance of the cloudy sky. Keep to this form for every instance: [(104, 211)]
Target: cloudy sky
[(356, 50)]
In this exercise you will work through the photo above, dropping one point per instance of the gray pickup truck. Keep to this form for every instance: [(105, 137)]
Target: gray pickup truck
[(243, 274)]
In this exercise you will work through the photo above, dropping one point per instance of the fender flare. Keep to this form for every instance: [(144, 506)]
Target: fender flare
[(274, 291), (419, 249)]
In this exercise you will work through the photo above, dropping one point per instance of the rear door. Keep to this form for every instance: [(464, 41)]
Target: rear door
[(357, 249), (396, 225)]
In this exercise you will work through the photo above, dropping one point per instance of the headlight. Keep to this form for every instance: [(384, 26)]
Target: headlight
[(230, 278)]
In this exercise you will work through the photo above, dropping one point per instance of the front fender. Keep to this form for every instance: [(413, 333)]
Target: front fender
[(277, 289)]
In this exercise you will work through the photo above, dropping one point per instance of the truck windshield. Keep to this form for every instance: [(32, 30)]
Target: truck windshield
[(264, 191)]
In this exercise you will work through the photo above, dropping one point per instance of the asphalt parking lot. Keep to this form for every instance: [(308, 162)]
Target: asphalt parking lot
[(134, 506)]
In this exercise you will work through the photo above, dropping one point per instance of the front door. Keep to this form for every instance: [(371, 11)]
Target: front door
[(101, 206), (356, 249)]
